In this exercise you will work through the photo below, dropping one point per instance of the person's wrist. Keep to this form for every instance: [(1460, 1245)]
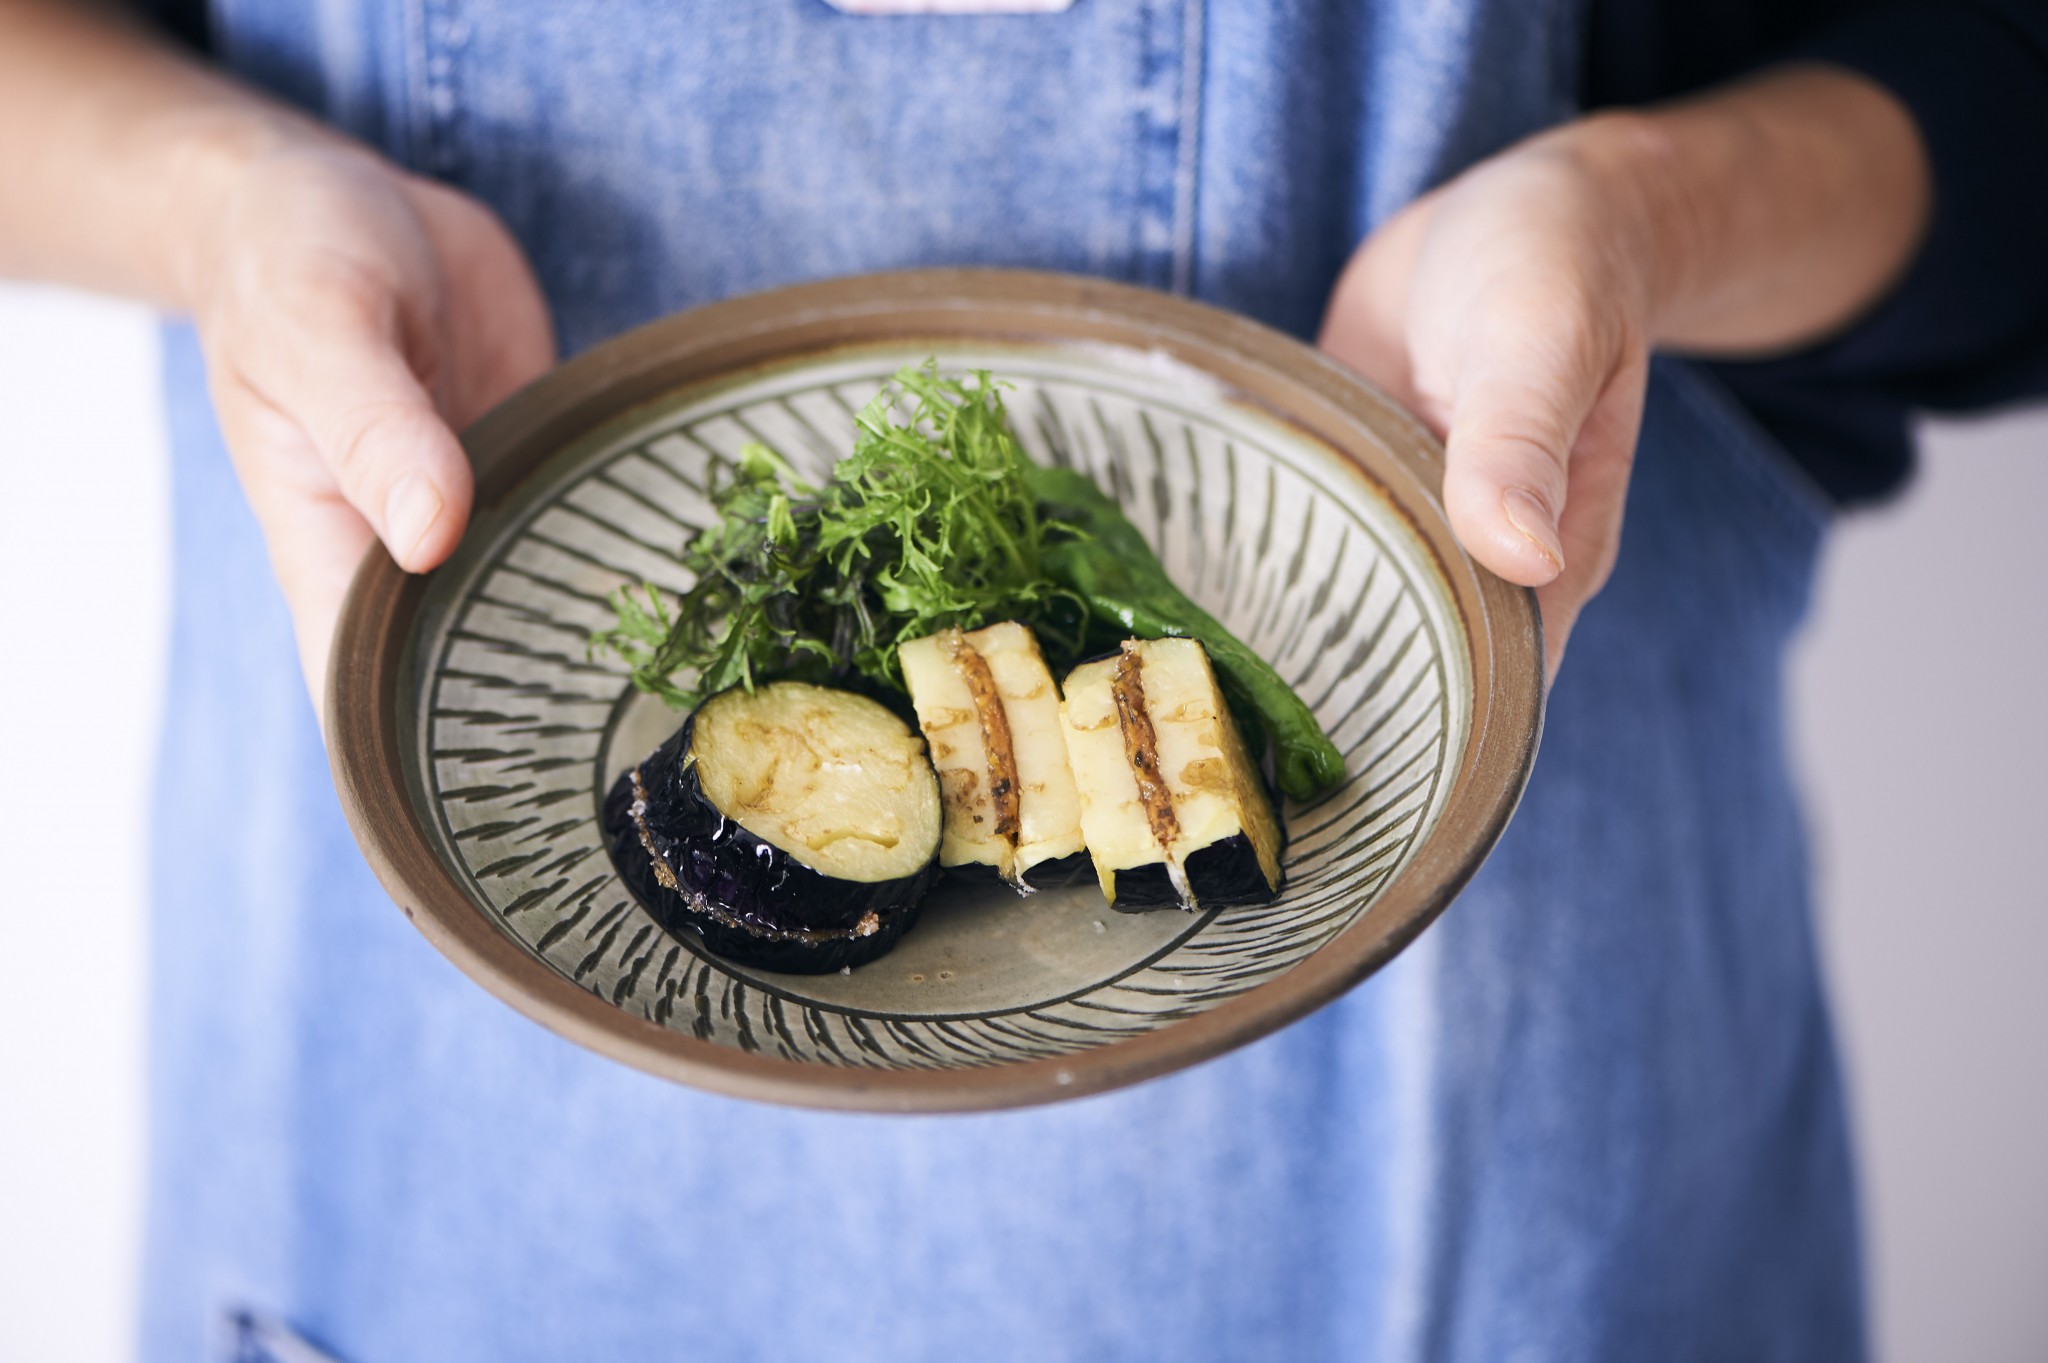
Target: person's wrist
[(205, 155), (1768, 212), (1639, 184)]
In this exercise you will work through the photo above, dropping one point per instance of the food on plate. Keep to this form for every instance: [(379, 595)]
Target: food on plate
[(991, 715), (924, 526), (794, 827), (939, 521), (1105, 561), (1172, 806), (937, 572)]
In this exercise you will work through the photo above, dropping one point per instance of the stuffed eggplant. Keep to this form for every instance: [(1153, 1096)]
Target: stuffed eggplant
[(989, 709), (793, 827), (1174, 810)]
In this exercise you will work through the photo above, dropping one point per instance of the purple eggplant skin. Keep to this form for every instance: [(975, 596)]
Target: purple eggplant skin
[(1222, 875), (1047, 875), (1060, 871), (750, 901), (1140, 889)]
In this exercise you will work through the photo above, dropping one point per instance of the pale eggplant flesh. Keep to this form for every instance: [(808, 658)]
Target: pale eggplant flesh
[(793, 828), (991, 714), (1175, 812)]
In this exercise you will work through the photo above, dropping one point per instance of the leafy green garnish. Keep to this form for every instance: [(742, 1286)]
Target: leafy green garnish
[(926, 525), (937, 522)]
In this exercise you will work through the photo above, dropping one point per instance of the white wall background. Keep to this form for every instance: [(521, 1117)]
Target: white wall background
[(1923, 733), (1924, 739), (84, 563)]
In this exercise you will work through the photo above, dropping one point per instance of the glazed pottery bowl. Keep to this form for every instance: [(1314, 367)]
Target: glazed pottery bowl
[(474, 735)]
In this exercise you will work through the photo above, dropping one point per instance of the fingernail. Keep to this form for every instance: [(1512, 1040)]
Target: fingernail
[(409, 512), (1526, 512)]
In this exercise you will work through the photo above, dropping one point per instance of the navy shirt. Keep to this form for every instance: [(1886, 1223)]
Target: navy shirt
[(1967, 325)]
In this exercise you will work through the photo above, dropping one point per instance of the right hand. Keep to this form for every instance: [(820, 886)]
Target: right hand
[(353, 318), (1511, 310)]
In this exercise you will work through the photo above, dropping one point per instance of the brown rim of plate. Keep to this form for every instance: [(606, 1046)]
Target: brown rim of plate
[(1262, 367)]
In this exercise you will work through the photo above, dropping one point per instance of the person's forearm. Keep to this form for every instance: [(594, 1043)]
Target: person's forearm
[(118, 150), (352, 316), (1775, 211)]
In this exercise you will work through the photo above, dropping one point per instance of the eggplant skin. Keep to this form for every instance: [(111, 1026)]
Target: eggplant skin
[(749, 901), (1053, 874), (1175, 812), (1059, 871), (1223, 874), (1140, 889)]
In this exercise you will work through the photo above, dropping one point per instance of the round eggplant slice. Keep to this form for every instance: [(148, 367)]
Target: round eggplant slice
[(794, 827)]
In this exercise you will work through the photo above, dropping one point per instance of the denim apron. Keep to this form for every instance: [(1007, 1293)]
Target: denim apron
[(1593, 1114)]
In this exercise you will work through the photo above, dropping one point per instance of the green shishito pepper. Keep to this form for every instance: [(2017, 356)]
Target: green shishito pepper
[(1109, 565)]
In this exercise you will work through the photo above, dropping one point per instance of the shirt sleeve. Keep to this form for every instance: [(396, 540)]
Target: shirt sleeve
[(185, 20), (1969, 321), (1966, 326)]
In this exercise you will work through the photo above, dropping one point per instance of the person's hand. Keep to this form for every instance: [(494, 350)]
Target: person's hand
[(1514, 309), (1510, 310), (354, 317)]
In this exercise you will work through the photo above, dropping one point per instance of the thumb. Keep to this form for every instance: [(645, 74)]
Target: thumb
[(338, 368), (1541, 439), (1512, 421)]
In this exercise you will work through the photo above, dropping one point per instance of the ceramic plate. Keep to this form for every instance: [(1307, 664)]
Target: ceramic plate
[(474, 735)]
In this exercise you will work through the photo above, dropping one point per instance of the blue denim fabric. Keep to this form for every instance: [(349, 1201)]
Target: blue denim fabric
[(1593, 1114)]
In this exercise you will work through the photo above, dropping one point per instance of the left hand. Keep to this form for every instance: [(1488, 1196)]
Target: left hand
[(1510, 310), (1514, 308)]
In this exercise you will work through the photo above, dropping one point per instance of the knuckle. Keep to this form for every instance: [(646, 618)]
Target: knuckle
[(1515, 429), (332, 291), (1540, 450), (364, 442), (318, 292), (280, 321), (1557, 327), (1535, 464)]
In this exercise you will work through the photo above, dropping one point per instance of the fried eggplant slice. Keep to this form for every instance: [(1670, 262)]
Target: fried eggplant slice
[(1173, 808), (989, 709), (794, 827)]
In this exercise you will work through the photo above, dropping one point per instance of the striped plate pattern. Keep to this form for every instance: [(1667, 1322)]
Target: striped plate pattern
[(518, 731)]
